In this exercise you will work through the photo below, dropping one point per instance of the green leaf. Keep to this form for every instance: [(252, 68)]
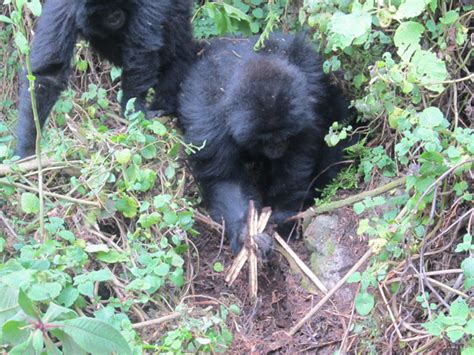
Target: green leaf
[(455, 332), (29, 202), (355, 277), (449, 18), (22, 43), (112, 257), (364, 303), (27, 305), (411, 8), (459, 312), (56, 312), (235, 309), (162, 270), (348, 27), (434, 327), (44, 291), (8, 303), (431, 117), (407, 39), (123, 156), (218, 267), (429, 70), (128, 206), (5, 19), (15, 332), (35, 7), (68, 344), (470, 326), (95, 336), (468, 267)]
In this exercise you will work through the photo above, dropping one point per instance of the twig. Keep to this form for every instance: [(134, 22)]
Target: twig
[(349, 201), (160, 320), (252, 226), (326, 298), (446, 287), (305, 269), (243, 255), (27, 165), (51, 194)]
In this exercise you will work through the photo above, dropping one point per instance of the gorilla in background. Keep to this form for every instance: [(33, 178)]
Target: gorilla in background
[(262, 117), (150, 39)]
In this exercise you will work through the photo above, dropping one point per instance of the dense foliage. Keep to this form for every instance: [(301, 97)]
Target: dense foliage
[(105, 237)]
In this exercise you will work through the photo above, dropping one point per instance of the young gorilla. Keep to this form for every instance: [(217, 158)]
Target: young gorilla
[(150, 39), (262, 117)]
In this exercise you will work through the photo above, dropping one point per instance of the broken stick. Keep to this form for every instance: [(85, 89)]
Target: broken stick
[(255, 226), (326, 298), (305, 269)]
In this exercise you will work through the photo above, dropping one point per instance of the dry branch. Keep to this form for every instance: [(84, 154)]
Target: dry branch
[(27, 165), (305, 269), (313, 211), (256, 226), (326, 298)]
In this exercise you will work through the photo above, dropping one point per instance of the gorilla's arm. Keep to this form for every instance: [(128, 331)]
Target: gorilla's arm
[(228, 200), (291, 180), (141, 57), (51, 55)]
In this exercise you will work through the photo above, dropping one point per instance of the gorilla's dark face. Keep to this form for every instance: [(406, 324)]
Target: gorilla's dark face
[(269, 109), (114, 20)]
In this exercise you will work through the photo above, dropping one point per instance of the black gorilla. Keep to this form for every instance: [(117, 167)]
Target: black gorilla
[(150, 39), (262, 117)]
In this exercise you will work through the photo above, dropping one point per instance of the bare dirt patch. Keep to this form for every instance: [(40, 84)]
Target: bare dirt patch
[(285, 296)]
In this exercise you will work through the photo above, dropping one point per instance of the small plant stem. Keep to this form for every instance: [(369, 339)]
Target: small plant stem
[(51, 194), (34, 108)]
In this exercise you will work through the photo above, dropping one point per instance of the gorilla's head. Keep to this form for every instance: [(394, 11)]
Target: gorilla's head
[(268, 105), (101, 18)]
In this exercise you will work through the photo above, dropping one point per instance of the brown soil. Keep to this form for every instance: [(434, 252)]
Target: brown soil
[(282, 301)]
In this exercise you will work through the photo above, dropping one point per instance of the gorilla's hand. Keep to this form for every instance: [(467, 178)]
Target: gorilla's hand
[(263, 240)]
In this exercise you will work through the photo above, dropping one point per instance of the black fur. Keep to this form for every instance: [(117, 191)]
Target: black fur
[(263, 117), (150, 39)]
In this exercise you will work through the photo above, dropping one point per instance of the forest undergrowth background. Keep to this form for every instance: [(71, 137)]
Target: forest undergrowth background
[(118, 256)]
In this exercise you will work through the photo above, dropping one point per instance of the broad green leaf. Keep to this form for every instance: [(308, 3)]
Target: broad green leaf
[(15, 332), (434, 327), (56, 312), (364, 303), (128, 206), (407, 39), (35, 7), (29, 202), (411, 8), (68, 344), (21, 42), (8, 303), (459, 312), (27, 305), (44, 291), (431, 117), (123, 156), (455, 332), (429, 70), (95, 336), (5, 19), (348, 27)]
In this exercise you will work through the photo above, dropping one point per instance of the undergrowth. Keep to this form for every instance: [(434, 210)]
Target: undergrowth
[(117, 255)]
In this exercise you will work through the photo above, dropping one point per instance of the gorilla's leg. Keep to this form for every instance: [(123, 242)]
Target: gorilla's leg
[(51, 55)]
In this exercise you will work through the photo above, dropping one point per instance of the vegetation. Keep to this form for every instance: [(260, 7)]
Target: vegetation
[(98, 239)]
